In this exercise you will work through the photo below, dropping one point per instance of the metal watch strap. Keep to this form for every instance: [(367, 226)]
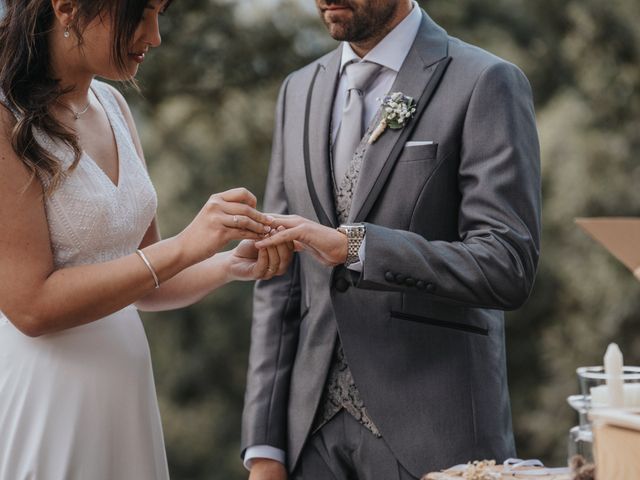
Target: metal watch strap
[(355, 236)]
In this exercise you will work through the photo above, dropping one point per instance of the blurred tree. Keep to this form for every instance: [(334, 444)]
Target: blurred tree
[(205, 117)]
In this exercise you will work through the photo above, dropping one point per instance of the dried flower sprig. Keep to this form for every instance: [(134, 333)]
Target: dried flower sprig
[(397, 110), (481, 470)]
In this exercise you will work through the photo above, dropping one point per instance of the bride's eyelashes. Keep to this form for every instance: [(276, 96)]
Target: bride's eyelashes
[(162, 6)]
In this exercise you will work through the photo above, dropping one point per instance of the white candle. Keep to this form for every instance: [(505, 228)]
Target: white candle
[(631, 394), (613, 369)]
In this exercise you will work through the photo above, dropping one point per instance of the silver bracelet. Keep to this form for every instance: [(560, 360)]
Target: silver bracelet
[(148, 264)]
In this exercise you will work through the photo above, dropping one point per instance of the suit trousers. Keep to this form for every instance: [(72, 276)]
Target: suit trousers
[(343, 449)]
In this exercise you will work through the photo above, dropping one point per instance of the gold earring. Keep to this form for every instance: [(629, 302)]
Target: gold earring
[(66, 32)]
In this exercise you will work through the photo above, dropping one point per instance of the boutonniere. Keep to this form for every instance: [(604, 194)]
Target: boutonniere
[(397, 110)]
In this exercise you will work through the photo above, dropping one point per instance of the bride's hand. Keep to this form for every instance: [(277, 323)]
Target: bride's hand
[(226, 216), (246, 262)]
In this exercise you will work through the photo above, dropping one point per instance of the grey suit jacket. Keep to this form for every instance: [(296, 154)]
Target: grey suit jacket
[(452, 241)]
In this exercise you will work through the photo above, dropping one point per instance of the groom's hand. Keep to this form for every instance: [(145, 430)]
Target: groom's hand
[(267, 469), (326, 244)]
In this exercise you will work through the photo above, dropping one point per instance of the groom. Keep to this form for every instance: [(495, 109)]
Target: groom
[(380, 355)]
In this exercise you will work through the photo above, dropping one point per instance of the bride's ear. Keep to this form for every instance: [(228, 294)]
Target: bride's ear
[(65, 12)]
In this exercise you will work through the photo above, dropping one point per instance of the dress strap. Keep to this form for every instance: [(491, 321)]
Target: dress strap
[(114, 111)]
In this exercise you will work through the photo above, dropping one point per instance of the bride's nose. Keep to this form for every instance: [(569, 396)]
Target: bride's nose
[(151, 32)]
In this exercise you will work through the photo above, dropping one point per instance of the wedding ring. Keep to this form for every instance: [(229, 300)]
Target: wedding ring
[(270, 270), (235, 221)]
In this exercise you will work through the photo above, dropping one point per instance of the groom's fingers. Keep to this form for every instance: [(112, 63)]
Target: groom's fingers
[(289, 221), (281, 237)]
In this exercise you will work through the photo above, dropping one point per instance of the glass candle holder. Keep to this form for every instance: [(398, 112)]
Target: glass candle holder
[(580, 443), (595, 392)]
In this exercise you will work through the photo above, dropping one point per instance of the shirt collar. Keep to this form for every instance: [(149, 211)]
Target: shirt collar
[(392, 49)]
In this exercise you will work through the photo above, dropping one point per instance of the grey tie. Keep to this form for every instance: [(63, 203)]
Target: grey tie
[(359, 76)]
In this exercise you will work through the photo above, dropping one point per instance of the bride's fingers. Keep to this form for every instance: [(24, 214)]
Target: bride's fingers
[(241, 222), (262, 264), (274, 262), (239, 209), (240, 195)]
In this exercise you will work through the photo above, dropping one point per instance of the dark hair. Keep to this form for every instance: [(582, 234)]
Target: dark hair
[(27, 81)]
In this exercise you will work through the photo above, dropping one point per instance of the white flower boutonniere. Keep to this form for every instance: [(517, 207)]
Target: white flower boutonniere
[(397, 110)]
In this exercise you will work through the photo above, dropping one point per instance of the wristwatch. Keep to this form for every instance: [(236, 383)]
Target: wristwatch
[(355, 235)]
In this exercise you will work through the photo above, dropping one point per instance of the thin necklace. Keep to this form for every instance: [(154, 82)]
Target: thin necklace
[(76, 115)]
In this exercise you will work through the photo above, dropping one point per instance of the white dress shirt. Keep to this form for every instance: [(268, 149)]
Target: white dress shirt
[(390, 53)]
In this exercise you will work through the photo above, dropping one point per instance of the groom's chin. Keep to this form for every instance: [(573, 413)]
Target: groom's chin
[(340, 31)]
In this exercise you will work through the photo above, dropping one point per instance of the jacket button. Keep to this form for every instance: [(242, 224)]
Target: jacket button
[(431, 287), (400, 279), (410, 282), (389, 277), (341, 285), (421, 285)]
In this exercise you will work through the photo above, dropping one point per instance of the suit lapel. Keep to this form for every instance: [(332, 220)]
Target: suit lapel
[(317, 135), (419, 78)]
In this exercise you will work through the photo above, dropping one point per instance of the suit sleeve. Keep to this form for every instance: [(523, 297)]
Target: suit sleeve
[(493, 264), (276, 317)]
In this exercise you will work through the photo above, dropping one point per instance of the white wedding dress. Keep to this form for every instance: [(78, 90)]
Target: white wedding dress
[(81, 404)]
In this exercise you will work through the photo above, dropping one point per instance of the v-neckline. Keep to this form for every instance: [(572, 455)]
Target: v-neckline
[(115, 184)]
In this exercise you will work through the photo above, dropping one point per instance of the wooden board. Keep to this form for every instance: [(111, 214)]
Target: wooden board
[(617, 451), (619, 235), (616, 436)]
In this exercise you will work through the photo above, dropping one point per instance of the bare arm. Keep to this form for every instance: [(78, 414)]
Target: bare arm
[(195, 282), (39, 299), (245, 262)]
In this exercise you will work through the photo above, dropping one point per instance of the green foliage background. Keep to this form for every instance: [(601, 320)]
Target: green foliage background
[(205, 118)]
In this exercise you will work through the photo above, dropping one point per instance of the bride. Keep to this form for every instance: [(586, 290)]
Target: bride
[(79, 247)]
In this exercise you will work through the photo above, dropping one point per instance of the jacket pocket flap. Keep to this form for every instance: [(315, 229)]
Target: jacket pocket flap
[(418, 152), (463, 327)]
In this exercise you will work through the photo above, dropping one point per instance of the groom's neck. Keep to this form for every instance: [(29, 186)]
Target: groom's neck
[(363, 47)]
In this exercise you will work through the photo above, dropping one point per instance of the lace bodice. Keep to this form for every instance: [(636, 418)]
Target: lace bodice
[(90, 219)]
